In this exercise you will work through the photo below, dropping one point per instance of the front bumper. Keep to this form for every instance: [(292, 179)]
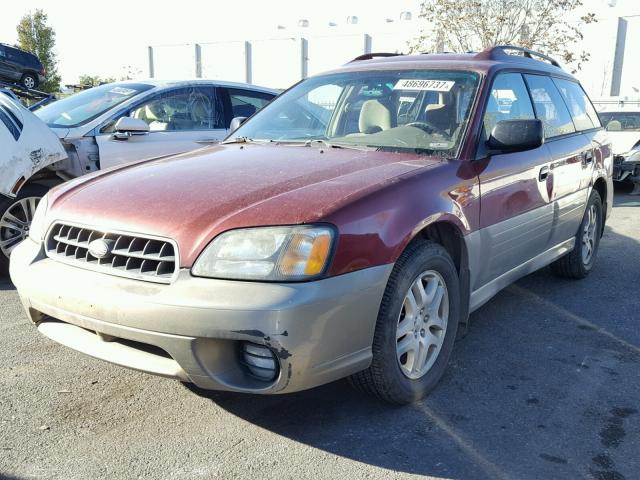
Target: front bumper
[(625, 170), (192, 329)]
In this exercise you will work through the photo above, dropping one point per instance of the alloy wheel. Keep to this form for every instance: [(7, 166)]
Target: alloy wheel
[(422, 324), (15, 223), (589, 235), (29, 82)]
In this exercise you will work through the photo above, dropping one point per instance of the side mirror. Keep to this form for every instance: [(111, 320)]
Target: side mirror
[(127, 126), (516, 136), (235, 123)]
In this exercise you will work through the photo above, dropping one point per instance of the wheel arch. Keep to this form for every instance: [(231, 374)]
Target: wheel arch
[(449, 234), (600, 186)]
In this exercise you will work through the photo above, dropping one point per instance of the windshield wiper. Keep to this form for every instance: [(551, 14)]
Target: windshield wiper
[(245, 140), (236, 140), (323, 143)]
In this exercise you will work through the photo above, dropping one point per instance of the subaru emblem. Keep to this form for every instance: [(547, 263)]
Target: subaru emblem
[(100, 248)]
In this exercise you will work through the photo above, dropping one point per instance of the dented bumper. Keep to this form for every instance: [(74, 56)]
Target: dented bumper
[(193, 329)]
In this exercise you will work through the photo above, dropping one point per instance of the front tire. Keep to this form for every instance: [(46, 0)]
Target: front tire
[(16, 215), (579, 262), (416, 326), (29, 81)]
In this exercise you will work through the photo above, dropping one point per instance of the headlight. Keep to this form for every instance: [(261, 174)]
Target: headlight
[(267, 253), (38, 226)]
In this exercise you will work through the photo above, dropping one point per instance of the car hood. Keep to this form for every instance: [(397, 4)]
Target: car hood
[(194, 196), (622, 142)]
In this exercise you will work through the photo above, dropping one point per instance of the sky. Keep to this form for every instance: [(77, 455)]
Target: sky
[(105, 39)]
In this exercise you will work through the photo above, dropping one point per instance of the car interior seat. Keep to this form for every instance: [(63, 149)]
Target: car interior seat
[(614, 126), (201, 113), (153, 113), (374, 117), (442, 115)]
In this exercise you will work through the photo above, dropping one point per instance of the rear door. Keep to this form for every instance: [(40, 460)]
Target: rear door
[(571, 152), (180, 120), (516, 212)]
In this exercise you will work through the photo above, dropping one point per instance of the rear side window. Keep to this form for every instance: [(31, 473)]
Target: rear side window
[(10, 120), (583, 114), (549, 106), (245, 103), (509, 100)]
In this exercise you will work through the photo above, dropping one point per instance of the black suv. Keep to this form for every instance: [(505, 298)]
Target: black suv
[(20, 67)]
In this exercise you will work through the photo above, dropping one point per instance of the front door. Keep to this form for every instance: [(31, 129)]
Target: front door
[(515, 189), (179, 120)]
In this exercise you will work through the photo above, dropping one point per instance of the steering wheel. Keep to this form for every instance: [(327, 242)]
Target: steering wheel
[(428, 128)]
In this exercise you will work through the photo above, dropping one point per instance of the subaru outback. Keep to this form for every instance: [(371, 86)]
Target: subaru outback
[(346, 230)]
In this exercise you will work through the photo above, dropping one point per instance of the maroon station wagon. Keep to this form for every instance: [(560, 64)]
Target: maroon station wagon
[(347, 229)]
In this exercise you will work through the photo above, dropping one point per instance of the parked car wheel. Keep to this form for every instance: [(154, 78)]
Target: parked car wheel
[(416, 326), (579, 262), (29, 80), (15, 219)]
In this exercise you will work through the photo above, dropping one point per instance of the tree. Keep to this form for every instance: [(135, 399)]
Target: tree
[(130, 73), (35, 36), (93, 80), (473, 25)]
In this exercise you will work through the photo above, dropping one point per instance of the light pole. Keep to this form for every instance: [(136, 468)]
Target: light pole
[(618, 59)]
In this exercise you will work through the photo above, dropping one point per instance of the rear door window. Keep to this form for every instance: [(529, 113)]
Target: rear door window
[(549, 106), (583, 114), (245, 103)]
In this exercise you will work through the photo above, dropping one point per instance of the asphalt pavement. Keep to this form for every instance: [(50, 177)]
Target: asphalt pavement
[(545, 386)]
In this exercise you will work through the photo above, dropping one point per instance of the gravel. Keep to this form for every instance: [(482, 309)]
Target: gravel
[(546, 385)]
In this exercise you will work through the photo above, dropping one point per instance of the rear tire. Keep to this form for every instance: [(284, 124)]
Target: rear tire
[(403, 378), (15, 215), (29, 81), (579, 262)]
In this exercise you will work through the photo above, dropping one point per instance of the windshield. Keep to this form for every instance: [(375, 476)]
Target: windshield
[(621, 121), (423, 111), (82, 107)]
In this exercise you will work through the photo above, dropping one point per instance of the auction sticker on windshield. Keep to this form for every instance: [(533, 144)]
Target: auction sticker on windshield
[(432, 85)]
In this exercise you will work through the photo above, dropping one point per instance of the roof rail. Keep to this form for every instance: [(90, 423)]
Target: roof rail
[(500, 51), (369, 56)]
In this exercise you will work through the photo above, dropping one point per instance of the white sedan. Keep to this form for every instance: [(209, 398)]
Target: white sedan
[(623, 127), (104, 127)]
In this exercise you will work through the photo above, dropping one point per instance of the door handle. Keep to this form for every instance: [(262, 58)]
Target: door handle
[(544, 173), (207, 141), (587, 156)]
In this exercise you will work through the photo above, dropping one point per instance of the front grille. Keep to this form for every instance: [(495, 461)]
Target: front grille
[(127, 255)]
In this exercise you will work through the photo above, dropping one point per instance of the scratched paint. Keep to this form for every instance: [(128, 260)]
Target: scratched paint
[(35, 148)]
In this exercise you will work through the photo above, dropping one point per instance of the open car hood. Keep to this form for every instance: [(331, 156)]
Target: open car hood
[(27, 145)]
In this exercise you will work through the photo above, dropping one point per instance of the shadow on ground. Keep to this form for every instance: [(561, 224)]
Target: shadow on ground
[(546, 385)]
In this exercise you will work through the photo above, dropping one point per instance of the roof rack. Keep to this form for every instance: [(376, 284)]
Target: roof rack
[(369, 56), (500, 51)]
